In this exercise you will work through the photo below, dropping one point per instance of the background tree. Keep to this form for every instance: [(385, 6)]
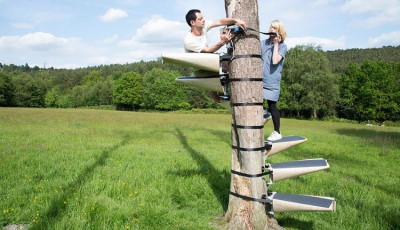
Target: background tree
[(92, 78), (162, 92), (373, 95), (370, 91), (29, 92), (339, 59), (6, 90), (128, 91), (310, 88), (106, 92), (52, 97)]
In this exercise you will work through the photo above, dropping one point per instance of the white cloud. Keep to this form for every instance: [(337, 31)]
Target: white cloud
[(325, 43), (363, 6), (34, 42), (386, 39), (318, 3), (377, 13), (211, 9), (158, 33), (109, 40), (22, 25), (40, 47), (113, 14)]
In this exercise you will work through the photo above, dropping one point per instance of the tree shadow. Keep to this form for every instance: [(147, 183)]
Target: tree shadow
[(222, 135), (219, 181), (288, 222), (57, 207), (374, 137)]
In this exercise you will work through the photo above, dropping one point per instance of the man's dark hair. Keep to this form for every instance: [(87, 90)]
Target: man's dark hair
[(191, 15)]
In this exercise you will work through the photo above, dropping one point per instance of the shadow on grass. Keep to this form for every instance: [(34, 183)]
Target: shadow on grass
[(219, 181), (378, 138), (288, 222), (222, 135), (57, 206)]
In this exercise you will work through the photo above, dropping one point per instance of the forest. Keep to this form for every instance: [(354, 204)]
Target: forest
[(360, 85)]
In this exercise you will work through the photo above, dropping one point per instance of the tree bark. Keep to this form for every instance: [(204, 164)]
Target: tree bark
[(241, 213)]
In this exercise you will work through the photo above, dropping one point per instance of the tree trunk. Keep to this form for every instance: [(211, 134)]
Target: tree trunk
[(242, 213)]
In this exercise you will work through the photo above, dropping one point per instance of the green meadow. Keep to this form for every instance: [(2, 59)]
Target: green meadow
[(93, 169)]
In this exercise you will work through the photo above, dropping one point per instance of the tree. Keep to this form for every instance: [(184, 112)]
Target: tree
[(370, 91), (162, 92), (243, 213), (6, 90), (311, 90), (92, 78), (29, 92), (106, 91), (79, 96), (128, 91), (51, 98)]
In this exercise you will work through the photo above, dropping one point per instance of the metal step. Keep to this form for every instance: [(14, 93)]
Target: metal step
[(282, 202), (285, 170), (210, 83), (284, 143), (202, 61)]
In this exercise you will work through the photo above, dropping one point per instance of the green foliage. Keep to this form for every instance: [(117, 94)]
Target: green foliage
[(309, 89), (371, 91), (128, 91), (6, 90), (339, 59), (66, 101), (162, 92), (92, 78), (51, 98), (199, 98), (29, 91)]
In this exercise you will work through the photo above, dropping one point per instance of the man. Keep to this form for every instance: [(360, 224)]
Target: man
[(196, 39)]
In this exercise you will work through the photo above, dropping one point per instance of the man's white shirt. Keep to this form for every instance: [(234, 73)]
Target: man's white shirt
[(197, 43)]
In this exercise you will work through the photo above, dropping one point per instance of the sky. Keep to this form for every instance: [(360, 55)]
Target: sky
[(80, 33)]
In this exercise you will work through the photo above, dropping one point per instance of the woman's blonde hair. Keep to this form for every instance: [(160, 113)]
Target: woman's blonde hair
[(280, 27)]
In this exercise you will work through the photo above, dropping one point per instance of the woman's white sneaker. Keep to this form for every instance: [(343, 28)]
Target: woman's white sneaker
[(274, 136)]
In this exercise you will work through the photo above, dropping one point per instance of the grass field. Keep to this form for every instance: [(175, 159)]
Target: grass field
[(92, 169)]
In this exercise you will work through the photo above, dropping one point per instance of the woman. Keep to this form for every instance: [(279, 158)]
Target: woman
[(273, 52)]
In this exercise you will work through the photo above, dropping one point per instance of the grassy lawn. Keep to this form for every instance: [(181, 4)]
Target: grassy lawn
[(92, 169)]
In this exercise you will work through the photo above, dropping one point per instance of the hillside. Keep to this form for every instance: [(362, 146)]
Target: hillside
[(339, 59)]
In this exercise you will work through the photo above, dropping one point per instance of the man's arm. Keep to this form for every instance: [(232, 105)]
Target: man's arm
[(225, 38), (229, 21)]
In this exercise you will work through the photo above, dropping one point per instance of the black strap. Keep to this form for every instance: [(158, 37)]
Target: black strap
[(245, 79), (249, 149), (247, 104), (250, 198), (268, 33), (249, 175), (245, 56), (229, 57), (247, 127)]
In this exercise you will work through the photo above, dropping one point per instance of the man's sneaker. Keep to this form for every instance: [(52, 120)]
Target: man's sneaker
[(267, 116), (274, 136)]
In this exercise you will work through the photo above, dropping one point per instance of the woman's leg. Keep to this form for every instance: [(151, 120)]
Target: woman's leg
[(276, 117)]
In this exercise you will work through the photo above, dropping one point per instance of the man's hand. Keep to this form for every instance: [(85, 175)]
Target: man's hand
[(226, 36), (242, 24)]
